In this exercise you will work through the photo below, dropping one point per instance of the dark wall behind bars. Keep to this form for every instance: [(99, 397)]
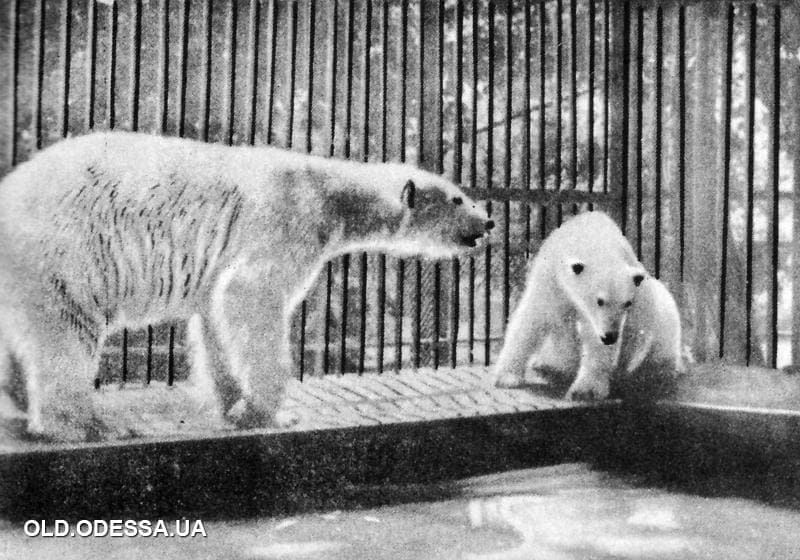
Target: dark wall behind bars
[(679, 118)]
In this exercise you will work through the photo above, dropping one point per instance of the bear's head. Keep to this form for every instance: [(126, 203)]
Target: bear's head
[(602, 291), (439, 219)]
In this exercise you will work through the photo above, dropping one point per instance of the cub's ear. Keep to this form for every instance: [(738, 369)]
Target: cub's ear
[(576, 266), (638, 278), (409, 194)]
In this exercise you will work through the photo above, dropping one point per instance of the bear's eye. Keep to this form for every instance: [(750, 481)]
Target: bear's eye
[(628, 303), (457, 200), (601, 302), (577, 268)]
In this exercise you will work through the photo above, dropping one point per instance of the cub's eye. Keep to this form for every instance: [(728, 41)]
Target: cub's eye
[(457, 200), (601, 302), (628, 303)]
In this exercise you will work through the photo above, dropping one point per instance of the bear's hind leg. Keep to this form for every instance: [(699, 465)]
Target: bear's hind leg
[(210, 374), (59, 369)]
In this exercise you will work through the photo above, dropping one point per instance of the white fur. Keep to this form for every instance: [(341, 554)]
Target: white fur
[(559, 323), (120, 230)]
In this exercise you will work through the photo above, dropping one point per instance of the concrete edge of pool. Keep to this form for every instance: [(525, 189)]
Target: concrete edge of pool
[(395, 457)]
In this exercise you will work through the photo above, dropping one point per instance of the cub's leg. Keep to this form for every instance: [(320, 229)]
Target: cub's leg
[(249, 322), (598, 362), (525, 334)]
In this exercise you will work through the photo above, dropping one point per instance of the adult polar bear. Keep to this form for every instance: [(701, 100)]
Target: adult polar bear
[(588, 303), (115, 230)]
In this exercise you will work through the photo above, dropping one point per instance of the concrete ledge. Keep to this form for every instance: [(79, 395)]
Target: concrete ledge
[(363, 436)]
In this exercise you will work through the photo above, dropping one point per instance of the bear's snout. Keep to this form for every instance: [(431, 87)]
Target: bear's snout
[(609, 338)]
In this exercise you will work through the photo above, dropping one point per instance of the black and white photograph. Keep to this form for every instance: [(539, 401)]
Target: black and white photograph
[(400, 279)]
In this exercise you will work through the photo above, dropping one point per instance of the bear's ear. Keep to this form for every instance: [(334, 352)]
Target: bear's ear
[(577, 267), (408, 195), (638, 278)]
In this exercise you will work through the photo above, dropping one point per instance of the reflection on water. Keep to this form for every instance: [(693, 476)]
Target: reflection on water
[(563, 512)]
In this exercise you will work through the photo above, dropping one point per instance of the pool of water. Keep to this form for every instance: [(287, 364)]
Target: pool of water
[(561, 512)]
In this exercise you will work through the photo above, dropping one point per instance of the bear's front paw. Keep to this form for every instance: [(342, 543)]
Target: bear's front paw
[(588, 389), (245, 416), (508, 380)]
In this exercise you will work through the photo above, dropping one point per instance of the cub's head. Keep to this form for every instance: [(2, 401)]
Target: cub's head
[(602, 292), (439, 220)]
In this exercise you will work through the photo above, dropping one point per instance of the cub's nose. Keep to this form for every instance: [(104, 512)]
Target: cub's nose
[(609, 338), (489, 225)]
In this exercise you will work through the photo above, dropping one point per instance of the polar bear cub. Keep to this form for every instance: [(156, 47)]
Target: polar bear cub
[(114, 230), (588, 301)]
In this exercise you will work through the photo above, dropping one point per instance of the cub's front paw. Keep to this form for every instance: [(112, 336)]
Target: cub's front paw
[(508, 380), (588, 389)]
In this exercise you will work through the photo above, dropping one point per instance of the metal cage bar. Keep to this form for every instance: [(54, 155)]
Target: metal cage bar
[(427, 85)]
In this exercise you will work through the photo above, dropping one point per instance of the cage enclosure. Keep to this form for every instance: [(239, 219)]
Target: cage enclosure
[(680, 119)]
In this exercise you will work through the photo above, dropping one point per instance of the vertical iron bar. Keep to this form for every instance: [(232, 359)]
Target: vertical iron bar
[(331, 138), (206, 112), (171, 360), (38, 57), (13, 97), (312, 14), (590, 100), (573, 95), (252, 80), (507, 164), (559, 38), (136, 49), (348, 86), (401, 265), (794, 88), (542, 144), (381, 304), (772, 353), (231, 74), (125, 355), (292, 45), (64, 54), (362, 331), (639, 125), (112, 66), (417, 331), (751, 104), (273, 44), (606, 74), (473, 173), (726, 174), (526, 134), (182, 65), (657, 137), (487, 301), (163, 82), (149, 373), (91, 57), (626, 57), (682, 138), (458, 156), (365, 89), (437, 267), (348, 133)]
